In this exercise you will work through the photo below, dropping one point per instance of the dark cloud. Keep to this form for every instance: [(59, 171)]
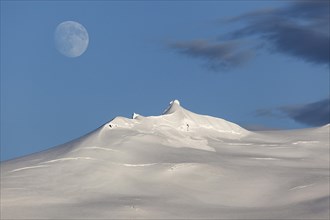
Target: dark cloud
[(300, 30), (312, 11), (315, 114), (312, 114), (217, 55)]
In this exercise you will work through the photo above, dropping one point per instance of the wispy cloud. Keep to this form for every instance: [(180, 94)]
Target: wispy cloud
[(300, 30), (311, 114), (217, 55)]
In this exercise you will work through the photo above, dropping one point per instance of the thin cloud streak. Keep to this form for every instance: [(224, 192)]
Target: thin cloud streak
[(217, 55), (311, 114), (314, 114)]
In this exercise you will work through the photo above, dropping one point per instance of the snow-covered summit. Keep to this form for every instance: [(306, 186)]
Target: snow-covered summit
[(176, 117), (174, 106)]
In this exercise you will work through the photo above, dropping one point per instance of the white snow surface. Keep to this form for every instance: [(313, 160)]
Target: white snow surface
[(179, 165)]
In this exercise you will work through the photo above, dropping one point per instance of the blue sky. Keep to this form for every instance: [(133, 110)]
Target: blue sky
[(259, 64)]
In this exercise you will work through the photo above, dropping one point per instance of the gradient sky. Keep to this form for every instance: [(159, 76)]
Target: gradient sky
[(258, 64)]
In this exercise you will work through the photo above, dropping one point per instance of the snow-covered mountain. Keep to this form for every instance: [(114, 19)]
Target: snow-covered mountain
[(176, 165)]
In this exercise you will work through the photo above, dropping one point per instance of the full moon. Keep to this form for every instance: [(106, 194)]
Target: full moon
[(71, 38)]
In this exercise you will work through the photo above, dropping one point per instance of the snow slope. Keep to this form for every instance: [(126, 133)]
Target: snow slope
[(176, 165)]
